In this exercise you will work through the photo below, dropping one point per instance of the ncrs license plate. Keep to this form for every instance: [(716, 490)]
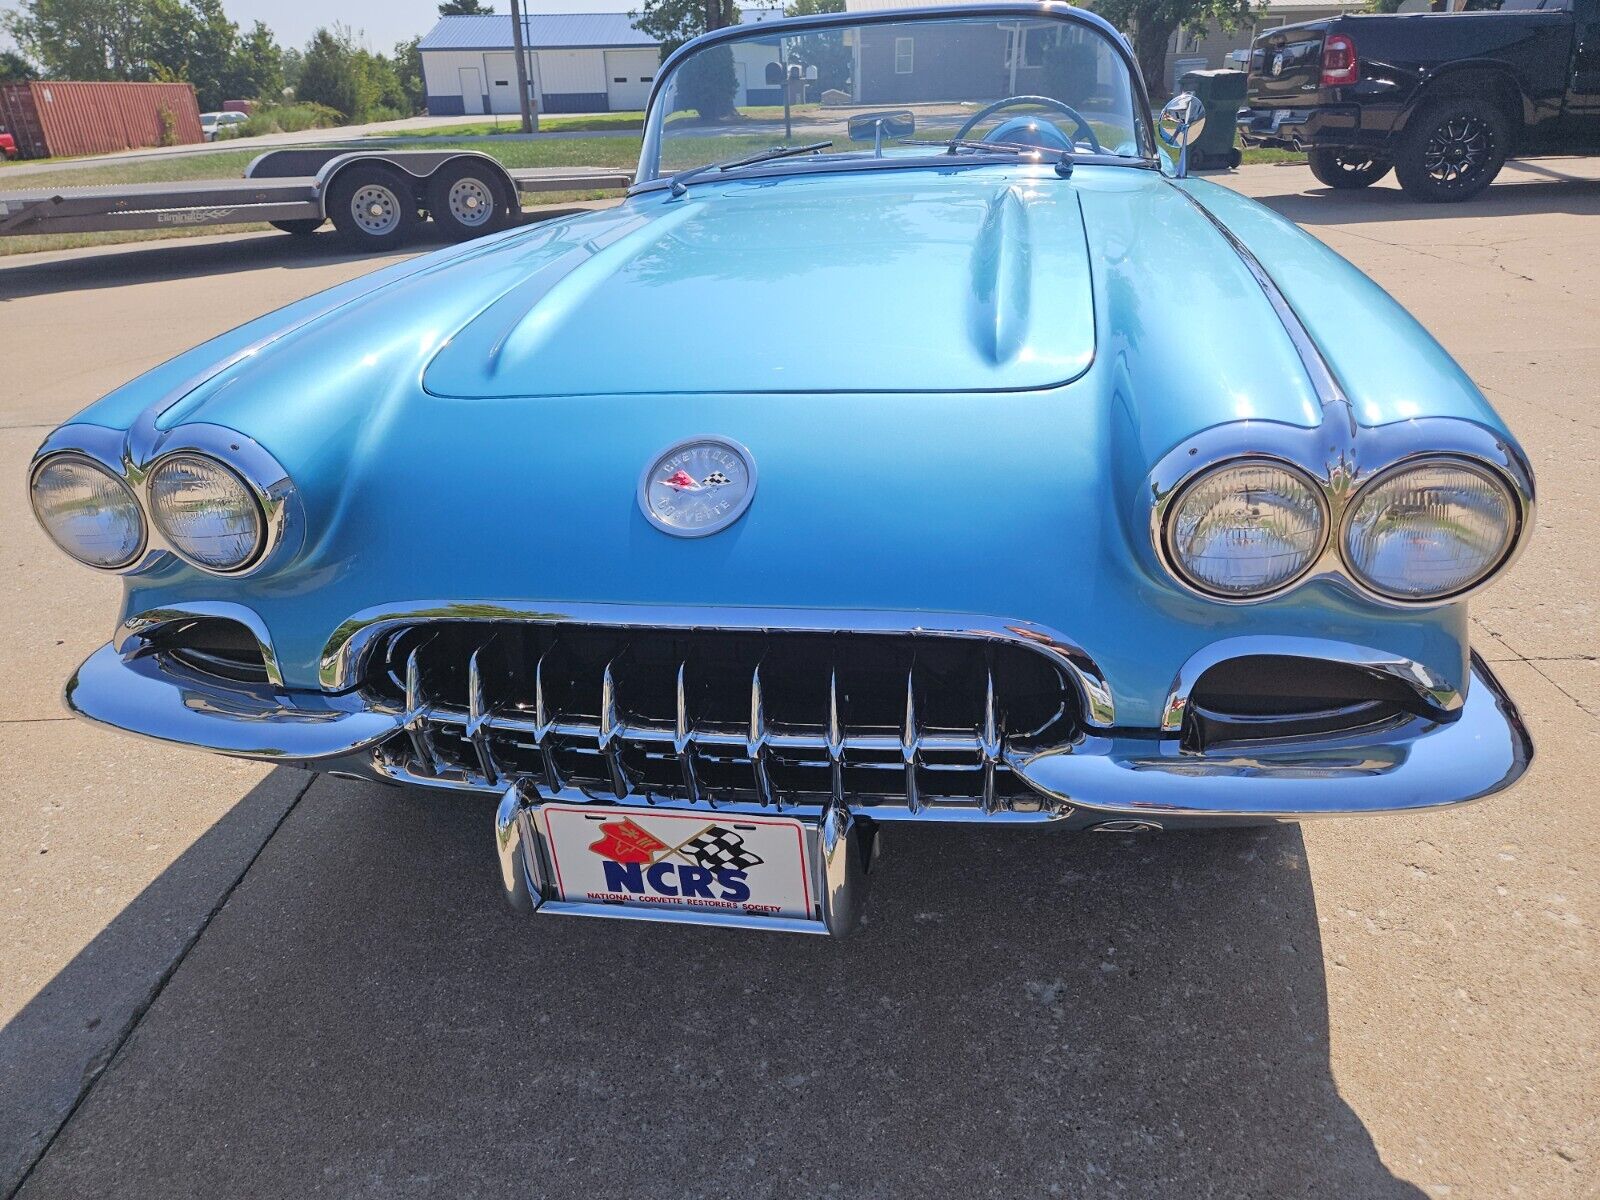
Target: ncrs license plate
[(698, 867)]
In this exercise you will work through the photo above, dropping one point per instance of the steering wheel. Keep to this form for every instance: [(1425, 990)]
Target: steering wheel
[(1011, 101)]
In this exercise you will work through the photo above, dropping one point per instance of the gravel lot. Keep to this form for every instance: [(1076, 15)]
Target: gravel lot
[(222, 979)]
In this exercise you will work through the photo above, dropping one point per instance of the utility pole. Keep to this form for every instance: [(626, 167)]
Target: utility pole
[(530, 119)]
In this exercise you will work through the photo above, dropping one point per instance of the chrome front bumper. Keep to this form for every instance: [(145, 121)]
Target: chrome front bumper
[(1103, 778)]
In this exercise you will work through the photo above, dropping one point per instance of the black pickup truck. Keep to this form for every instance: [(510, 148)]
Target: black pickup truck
[(1443, 98)]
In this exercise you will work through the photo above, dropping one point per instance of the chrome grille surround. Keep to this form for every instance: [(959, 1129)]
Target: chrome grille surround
[(920, 721)]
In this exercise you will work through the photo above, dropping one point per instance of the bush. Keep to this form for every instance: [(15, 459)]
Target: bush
[(289, 118)]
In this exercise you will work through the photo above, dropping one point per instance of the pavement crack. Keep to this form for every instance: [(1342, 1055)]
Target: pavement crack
[(103, 1062), (34, 720)]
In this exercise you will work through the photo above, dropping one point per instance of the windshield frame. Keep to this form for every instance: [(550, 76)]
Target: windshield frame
[(648, 176)]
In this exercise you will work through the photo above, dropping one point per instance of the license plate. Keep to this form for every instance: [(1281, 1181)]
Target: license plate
[(752, 868)]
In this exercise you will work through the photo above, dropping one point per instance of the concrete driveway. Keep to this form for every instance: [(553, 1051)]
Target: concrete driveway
[(222, 979)]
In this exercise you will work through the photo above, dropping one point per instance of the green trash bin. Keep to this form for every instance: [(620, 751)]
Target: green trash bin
[(1222, 92)]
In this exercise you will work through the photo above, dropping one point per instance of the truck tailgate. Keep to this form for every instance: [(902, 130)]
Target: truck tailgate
[(1286, 66)]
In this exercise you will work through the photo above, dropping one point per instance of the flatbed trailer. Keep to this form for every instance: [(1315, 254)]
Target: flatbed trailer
[(375, 198)]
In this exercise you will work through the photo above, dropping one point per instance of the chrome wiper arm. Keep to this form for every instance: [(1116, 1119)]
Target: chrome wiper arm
[(679, 182), (1062, 159)]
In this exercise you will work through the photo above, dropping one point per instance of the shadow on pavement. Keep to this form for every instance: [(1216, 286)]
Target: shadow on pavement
[(176, 258), (1024, 1014), (1326, 206), (62, 1037)]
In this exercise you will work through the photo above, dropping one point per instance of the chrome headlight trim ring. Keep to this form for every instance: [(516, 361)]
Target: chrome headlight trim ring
[(1173, 503), (268, 484), (72, 454), (1520, 506)]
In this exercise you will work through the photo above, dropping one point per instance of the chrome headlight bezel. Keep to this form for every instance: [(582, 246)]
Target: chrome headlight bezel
[(93, 463), (1172, 559), (132, 456), (255, 511), (1515, 499), (1343, 460)]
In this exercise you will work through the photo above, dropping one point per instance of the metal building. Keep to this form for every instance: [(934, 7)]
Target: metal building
[(577, 62)]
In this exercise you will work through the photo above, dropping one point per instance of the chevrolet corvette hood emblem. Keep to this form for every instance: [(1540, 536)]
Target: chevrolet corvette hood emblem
[(698, 486)]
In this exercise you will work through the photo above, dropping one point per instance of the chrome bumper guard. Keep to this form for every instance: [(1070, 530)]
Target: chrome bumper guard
[(839, 852), (1101, 778)]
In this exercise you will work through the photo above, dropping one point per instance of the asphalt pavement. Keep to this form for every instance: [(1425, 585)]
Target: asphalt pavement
[(225, 979)]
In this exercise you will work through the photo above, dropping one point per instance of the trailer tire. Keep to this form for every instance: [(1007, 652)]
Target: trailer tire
[(372, 207), (304, 228), (469, 199)]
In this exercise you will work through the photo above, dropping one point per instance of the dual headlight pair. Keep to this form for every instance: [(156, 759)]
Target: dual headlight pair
[(203, 509), (1419, 532)]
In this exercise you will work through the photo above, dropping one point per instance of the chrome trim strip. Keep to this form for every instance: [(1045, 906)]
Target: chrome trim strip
[(1434, 691), (1323, 380), (138, 628), (344, 657)]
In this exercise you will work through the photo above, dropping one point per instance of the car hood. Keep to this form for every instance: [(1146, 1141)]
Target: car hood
[(903, 282)]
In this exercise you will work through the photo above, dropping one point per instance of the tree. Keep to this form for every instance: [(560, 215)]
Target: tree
[(674, 22), (330, 74), (465, 8), (84, 39), (255, 68), (408, 70), (14, 68), (1150, 25)]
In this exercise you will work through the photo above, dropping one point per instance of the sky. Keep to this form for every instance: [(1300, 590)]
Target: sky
[(379, 24)]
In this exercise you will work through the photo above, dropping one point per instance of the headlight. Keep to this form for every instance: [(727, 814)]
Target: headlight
[(207, 513), (1430, 530), (1245, 528), (88, 511)]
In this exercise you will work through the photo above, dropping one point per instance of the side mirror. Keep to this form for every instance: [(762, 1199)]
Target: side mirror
[(1182, 121), (875, 126)]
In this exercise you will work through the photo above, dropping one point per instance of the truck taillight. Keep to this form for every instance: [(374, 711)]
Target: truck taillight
[(1338, 61)]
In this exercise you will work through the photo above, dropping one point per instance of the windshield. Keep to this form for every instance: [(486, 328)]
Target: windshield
[(900, 89)]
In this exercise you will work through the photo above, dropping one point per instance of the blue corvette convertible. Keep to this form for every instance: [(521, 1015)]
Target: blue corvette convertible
[(916, 442)]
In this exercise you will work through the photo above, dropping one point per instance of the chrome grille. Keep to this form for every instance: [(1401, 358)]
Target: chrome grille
[(767, 719)]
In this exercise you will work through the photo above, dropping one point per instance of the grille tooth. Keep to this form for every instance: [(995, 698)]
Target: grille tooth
[(418, 711), (655, 715), (478, 713), (911, 743), (610, 734), (757, 743)]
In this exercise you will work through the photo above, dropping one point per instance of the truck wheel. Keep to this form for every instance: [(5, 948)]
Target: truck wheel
[(468, 200), (373, 208), (1452, 149), (1347, 168), (303, 228)]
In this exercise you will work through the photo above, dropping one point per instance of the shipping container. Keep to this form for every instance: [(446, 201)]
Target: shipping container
[(56, 119)]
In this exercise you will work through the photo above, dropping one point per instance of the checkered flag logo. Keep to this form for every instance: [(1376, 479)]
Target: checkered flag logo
[(715, 479), (716, 848)]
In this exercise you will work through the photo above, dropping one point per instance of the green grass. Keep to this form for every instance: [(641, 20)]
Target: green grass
[(1270, 154)]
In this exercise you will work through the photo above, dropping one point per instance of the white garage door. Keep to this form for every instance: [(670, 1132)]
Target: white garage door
[(629, 74)]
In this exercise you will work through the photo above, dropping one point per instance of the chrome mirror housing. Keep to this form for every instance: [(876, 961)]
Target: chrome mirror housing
[(1183, 119)]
